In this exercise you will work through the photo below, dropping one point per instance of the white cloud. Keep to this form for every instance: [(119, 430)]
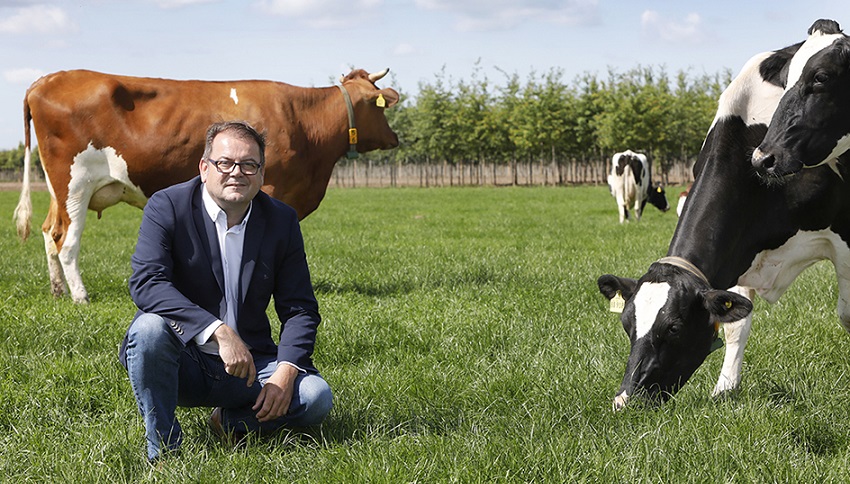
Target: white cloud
[(167, 4), (475, 15), (41, 19), (23, 75), (323, 13), (404, 49), (688, 30)]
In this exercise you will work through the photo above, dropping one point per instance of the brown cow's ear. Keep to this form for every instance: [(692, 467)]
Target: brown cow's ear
[(725, 306), (390, 96)]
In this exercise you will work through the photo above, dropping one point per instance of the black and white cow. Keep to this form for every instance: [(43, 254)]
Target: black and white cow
[(630, 184), (734, 230), (811, 125)]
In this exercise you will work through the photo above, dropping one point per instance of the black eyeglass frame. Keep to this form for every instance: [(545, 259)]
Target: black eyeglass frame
[(252, 166)]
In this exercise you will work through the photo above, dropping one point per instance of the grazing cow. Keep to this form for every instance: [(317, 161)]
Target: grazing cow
[(105, 139), (630, 185), (736, 229), (811, 126)]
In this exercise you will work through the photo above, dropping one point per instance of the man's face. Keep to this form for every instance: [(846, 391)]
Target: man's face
[(232, 191)]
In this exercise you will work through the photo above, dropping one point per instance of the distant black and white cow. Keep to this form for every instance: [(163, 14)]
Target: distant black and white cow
[(630, 184), (735, 230), (811, 125)]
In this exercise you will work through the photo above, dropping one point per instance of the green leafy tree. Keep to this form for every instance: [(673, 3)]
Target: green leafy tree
[(13, 160)]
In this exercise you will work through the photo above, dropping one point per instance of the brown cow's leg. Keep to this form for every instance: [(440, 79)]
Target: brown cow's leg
[(54, 267)]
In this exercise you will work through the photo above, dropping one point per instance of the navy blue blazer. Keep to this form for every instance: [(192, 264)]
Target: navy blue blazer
[(177, 273)]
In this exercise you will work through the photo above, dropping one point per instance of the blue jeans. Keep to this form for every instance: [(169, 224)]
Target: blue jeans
[(164, 375)]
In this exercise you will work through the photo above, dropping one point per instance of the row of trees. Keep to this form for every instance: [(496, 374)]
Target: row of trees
[(545, 119), (463, 124), (12, 163)]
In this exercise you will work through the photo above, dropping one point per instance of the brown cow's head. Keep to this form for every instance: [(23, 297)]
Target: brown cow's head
[(374, 132)]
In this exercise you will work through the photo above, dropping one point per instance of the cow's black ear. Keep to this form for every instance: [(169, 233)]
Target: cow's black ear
[(725, 306), (610, 285)]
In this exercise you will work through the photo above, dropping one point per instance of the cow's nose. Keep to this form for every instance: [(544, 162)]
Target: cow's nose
[(763, 162), (620, 401)]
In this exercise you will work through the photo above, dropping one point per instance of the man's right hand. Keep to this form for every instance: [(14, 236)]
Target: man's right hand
[(235, 355)]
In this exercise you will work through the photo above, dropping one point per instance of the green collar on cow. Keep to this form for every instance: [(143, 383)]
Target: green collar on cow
[(352, 129)]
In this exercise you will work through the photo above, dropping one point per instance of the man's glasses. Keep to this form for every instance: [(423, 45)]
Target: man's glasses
[(226, 167)]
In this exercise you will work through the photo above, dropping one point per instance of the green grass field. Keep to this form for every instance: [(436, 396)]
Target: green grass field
[(465, 341)]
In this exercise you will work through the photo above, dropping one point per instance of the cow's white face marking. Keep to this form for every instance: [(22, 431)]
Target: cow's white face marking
[(650, 298), (234, 96), (815, 43)]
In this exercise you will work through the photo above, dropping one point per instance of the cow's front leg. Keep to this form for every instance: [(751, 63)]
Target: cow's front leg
[(736, 335)]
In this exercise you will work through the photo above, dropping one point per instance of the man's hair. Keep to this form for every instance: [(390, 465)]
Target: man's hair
[(242, 130)]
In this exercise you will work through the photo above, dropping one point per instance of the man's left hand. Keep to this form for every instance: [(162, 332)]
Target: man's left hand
[(276, 395)]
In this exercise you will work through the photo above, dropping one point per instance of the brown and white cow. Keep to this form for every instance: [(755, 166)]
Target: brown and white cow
[(105, 139)]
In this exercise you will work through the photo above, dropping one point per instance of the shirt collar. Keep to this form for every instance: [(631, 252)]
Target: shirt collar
[(214, 211)]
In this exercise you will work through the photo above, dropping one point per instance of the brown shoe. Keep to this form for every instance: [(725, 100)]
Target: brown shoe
[(231, 438)]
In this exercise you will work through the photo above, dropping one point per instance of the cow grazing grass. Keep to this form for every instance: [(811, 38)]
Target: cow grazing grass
[(465, 340)]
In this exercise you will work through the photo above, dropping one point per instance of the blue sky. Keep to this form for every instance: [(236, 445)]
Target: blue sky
[(312, 42)]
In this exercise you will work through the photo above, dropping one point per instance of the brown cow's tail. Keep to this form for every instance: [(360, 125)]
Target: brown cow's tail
[(23, 212)]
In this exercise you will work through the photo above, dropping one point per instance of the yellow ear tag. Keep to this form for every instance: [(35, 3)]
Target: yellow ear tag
[(381, 102), (617, 303), (728, 304), (659, 189)]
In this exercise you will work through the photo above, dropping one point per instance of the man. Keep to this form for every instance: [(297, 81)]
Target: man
[(211, 254)]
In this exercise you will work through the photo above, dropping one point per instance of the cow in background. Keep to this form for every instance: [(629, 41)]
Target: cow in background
[(735, 229), (630, 185), (105, 139)]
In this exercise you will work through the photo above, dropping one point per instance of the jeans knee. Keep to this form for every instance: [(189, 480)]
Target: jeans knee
[(149, 330), (316, 395)]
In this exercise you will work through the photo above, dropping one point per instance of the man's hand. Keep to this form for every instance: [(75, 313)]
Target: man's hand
[(235, 355), (276, 395)]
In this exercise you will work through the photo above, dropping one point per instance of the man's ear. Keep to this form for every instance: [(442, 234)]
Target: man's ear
[(202, 170), (610, 285), (725, 306)]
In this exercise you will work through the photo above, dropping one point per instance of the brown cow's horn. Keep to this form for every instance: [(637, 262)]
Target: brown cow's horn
[(341, 78), (378, 75)]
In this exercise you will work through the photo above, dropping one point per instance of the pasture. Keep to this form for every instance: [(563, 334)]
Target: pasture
[(465, 341)]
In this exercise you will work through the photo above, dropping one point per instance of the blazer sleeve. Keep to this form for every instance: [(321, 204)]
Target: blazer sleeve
[(152, 282), (295, 302)]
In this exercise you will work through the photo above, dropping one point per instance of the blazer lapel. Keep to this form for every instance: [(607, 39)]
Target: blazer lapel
[(208, 237), (254, 233)]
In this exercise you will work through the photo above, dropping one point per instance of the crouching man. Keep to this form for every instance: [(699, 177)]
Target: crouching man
[(211, 254)]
